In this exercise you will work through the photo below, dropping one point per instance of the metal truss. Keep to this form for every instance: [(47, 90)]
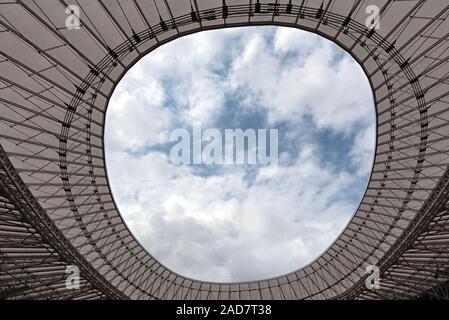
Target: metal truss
[(55, 202)]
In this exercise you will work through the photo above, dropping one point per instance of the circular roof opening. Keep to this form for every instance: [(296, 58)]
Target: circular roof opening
[(215, 218)]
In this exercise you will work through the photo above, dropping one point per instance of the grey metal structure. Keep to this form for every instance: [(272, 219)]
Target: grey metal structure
[(56, 207)]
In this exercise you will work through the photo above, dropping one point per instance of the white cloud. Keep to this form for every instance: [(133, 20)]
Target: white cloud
[(221, 227), (311, 83), (289, 39), (362, 150), (281, 222), (133, 110)]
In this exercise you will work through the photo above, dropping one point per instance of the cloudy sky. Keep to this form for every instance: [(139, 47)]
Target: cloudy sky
[(241, 222)]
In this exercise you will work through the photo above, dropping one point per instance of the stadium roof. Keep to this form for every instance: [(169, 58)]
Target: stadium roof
[(55, 201)]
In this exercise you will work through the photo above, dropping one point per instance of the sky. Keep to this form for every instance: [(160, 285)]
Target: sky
[(233, 222)]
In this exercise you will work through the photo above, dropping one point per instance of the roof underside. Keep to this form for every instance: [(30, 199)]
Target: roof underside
[(56, 207)]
